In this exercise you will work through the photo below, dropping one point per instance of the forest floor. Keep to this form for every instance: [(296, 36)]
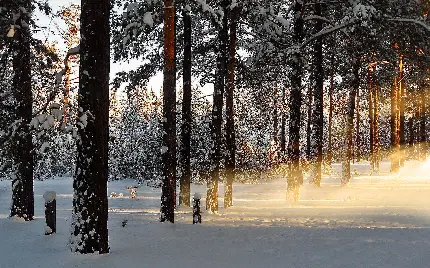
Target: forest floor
[(376, 221)]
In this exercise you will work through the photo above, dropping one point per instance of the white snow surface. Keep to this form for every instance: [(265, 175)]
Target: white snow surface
[(376, 221)]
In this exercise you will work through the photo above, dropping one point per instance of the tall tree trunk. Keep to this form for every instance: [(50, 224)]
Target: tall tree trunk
[(376, 147), (185, 180), (230, 162), (371, 120), (394, 128), (283, 123), (21, 144), (220, 76), (346, 165), (423, 123), (309, 124), (275, 116), (411, 136), (90, 204), (402, 112), (295, 177), (357, 129), (330, 115), (169, 122), (318, 114)]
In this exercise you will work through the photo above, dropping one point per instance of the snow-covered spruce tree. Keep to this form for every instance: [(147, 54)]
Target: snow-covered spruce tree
[(134, 132), (89, 232)]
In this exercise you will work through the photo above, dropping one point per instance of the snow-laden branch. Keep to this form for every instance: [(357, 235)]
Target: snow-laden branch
[(216, 15), (328, 31), (315, 17), (59, 77), (417, 22), (60, 74)]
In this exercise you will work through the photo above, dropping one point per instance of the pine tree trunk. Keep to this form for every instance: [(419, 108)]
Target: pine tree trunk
[(330, 117), (185, 180), (357, 129), (90, 204), (402, 114), (275, 116), (169, 122), (423, 123), (376, 158), (318, 114), (230, 162), (283, 123), (295, 177), (346, 165), (309, 125), (21, 143), (220, 76), (371, 121), (394, 130)]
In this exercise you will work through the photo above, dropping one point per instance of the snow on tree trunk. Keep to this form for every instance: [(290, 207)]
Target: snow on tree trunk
[(21, 144), (50, 212), (169, 119), (295, 177), (90, 204), (184, 196), (230, 162)]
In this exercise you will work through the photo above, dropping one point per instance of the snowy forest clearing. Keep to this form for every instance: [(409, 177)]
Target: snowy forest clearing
[(377, 221)]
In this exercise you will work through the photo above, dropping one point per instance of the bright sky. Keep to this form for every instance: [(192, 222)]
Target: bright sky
[(155, 82)]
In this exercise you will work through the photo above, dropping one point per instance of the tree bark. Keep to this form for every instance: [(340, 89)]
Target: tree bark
[(283, 122), (309, 125), (169, 118), (357, 129), (230, 162), (21, 143), (376, 147), (90, 204), (402, 113), (318, 114), (275, 116), (394, 129), (371, 120), (346, 165), (295, 177), (330, 116), (220, 76), (185, 180), (423, 123)]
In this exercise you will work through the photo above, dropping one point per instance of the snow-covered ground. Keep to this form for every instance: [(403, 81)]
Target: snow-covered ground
[(376, 221)]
